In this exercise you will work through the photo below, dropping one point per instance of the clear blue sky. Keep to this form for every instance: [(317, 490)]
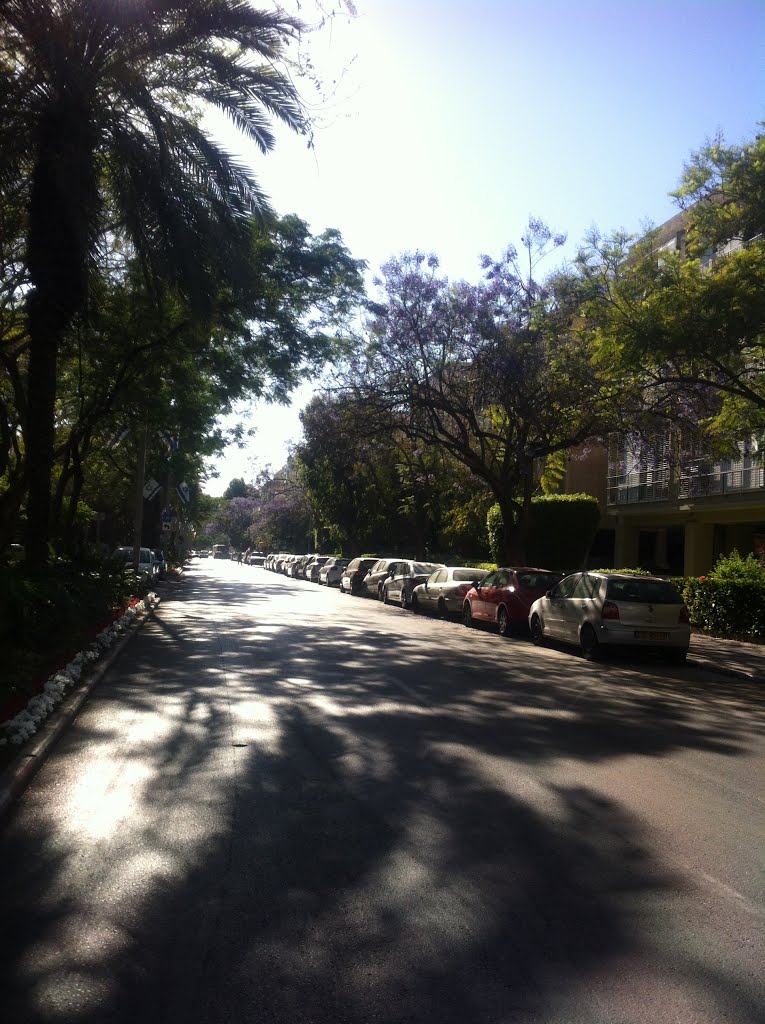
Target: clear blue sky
[(453, 122)]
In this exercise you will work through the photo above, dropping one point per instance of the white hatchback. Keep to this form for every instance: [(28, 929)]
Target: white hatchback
[(598, 610)]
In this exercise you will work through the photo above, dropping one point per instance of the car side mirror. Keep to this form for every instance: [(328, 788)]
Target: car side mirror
[(548, 593)]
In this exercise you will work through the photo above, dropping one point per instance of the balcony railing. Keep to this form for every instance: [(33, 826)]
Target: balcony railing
[(732, 481), (629, 489)]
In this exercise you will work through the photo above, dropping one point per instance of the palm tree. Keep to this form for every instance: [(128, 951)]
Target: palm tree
[(103, 101)]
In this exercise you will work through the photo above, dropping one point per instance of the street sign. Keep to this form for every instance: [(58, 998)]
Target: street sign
[(150, 489), (183, 492)]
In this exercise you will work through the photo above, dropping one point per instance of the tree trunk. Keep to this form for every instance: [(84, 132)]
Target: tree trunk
[(10, 503), (39, 429), (516, 518)]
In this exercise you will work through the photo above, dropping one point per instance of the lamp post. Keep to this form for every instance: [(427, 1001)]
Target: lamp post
[(138, 519)]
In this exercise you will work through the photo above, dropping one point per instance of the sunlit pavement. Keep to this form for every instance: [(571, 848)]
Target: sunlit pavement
[(284, 804)]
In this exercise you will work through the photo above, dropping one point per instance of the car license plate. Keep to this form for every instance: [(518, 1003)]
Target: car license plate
[(650, 634)]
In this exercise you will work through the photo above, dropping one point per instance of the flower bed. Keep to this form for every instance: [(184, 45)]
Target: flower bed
[(25, 722)]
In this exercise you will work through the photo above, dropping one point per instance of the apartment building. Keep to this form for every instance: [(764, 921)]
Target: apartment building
[(665, 508)]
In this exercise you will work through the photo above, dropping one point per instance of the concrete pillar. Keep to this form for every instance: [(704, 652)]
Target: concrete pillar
[(699, 551), (661, 549), (625, 545)]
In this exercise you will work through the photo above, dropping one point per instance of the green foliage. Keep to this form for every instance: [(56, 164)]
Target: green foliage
[(554, 472), (236, 489), (372, 487), (730, 601), (45, 616), (734, 568), (562, 529), (686, 328), (495, 530), (726, 608)]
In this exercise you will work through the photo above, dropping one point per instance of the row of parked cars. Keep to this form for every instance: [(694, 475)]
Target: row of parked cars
[(152, 563), (592, 610), (323, 569)]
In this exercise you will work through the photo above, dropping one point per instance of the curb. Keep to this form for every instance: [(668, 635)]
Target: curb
[(699, 661), (20, 772)]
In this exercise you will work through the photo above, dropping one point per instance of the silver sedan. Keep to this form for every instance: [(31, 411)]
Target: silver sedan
[(444, 591)]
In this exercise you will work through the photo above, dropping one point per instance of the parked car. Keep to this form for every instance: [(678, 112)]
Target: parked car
[(405, 577), (377, 575), (331, 571), (297, 566), (256, 558), (312, 569), (161, 563), (146, 562), (608, 610), (445, 590), (505, 596), (353, 575)]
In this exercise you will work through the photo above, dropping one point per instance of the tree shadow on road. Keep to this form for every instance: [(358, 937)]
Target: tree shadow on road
[(344, 826)]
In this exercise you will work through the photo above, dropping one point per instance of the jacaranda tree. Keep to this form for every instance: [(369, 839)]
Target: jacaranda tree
[(494, 374)]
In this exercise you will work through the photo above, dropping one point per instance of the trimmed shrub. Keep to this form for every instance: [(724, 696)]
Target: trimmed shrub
[(729, 601), (562, 529)]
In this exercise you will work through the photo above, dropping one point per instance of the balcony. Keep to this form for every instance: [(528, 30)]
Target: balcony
[(694, 481), (718, 481), (630, 489)]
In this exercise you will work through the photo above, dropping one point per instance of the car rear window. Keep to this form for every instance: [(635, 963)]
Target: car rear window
[(643, 591), (538, 580), (361, 563), (467, 575)]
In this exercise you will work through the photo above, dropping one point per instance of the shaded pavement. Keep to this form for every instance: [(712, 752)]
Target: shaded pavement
[(286, 805)]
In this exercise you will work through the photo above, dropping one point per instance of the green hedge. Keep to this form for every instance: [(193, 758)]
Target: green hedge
[(44, 614), (729, 601), (561, 530)]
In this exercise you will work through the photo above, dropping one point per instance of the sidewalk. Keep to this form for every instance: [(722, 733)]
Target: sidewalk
[(732, 657), (15, 777)]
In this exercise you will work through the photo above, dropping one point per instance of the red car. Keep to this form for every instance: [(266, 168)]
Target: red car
[(505, 597)]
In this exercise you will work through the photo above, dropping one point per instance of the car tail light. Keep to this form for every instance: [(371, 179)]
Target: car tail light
[(464, 588), (610, 610), (683, 618)]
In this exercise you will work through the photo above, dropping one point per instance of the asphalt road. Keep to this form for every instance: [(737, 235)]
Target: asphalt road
[(286, 805)]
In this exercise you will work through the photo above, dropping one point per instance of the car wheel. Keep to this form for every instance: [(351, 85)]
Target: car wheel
[(403, 600), (503, 622), (537, 632), (415, 604), (467, 615), (443, 611), (385, 599), (380, 593), (589, 643)]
